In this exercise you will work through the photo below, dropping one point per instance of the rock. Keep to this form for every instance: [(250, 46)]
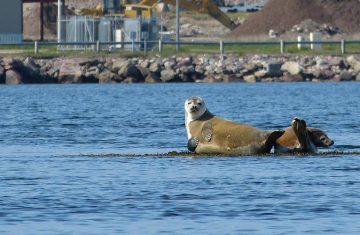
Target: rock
[(131, 71), (267, 80), (169, 76), (357, 78), (14, 77), (2, 74), (346, 76), (13, 64), (291, 67), (273, 69), (250, 78), (261, 73), (354, 62), (155, 68), (153, 78), (232, 78), (144, 71), (145, 64), (292, 78), (109, 77), (251, 67), (82, 61), (329, 73), (117, 65), (70, 73)]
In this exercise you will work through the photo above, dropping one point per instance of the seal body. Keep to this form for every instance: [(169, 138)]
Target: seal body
[(296, 139), (208, 133)]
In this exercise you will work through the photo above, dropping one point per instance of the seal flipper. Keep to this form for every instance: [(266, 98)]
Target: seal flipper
[(271, 140), (193, 143), (207, 132)]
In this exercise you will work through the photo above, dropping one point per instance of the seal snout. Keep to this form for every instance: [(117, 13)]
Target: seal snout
[(194, 108)]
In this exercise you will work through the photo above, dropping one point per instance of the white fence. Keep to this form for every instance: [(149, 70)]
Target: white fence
[(159, 44)]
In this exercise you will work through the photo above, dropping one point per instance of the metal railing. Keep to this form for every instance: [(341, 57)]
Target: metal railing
[(145, 44)]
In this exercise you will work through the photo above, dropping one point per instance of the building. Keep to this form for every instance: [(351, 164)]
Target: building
[(11, 19)]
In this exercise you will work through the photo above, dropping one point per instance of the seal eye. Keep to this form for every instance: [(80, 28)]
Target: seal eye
[(322, 138), (199, 104)]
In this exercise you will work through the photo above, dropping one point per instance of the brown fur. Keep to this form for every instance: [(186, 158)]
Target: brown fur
[(228, 137)]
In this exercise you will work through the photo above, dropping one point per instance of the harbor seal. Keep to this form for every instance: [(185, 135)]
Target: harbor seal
[(210, 134), (319, 137), (296, 139)]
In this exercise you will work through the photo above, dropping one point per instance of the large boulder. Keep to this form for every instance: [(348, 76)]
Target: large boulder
[(70, 73), (291, 67), (153, 78), (354, 62), (131, 71), (169, 75), (108, 77), (250, 78), (14, 77)]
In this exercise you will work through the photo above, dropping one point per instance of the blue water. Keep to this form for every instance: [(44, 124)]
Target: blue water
[(53, 180)]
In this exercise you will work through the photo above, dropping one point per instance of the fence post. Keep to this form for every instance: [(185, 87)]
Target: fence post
[(145, 46), (36, 47), (343, 46), (132, 45), (98, 46), (221, 47), (160, 46), (282, 47)]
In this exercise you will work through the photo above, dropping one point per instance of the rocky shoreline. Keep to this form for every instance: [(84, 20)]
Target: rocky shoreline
[(199, 68)]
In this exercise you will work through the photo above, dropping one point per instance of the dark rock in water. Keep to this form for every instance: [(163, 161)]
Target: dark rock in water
[(14, 77), (109, 77)]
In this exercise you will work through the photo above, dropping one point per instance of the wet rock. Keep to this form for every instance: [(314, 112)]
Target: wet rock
[(232, 78)]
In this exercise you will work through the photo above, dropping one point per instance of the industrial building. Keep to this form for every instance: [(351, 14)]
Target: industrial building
[(11, 19)]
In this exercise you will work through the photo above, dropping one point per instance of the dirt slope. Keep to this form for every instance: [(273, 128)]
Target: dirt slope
[(281, 15)]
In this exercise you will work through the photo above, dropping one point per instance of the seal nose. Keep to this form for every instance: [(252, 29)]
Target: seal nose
[(194, 108)]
